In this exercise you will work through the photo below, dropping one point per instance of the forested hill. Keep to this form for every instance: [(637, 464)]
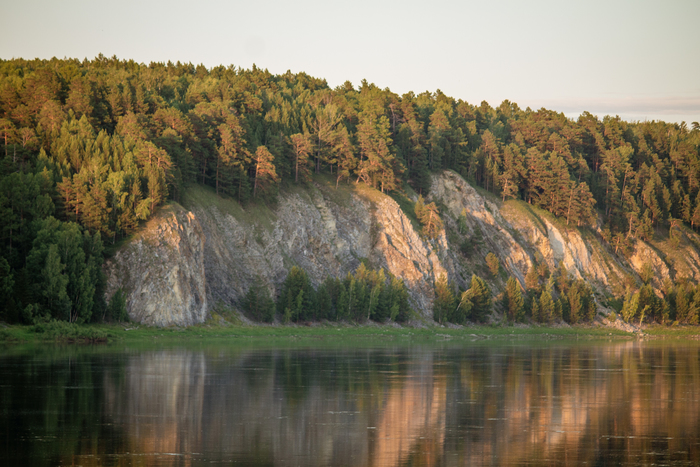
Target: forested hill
[(92, 148)]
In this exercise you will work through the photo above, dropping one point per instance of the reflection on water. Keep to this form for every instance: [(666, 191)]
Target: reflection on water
[(605, 404)]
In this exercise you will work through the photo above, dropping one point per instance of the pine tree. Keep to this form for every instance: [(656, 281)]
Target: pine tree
[(444, 301), (324, 300), (558, 313), (377, 166), (265, 171), (493, 264), (532, 279), (7, 132), (296, 301), (480, 297), (535, 310), (546, 311), (463, 310), (52, 285), (258, 303), (575, 305), (429, 217), (231, 154), (301, 148), (399, 309), (344, 156), (513, 299), (630, 306), (513, 171)]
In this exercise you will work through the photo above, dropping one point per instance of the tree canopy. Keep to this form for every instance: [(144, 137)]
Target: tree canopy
[(100, 144)]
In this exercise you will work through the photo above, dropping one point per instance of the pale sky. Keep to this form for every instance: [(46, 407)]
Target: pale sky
[(638, 59)]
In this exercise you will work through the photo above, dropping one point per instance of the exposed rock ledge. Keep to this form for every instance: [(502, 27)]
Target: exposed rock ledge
[(161, 271), (173, 277)]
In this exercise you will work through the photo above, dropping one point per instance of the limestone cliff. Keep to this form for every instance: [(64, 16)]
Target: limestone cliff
[(519, 233), (161, 270), (189, 260), (324, 231)]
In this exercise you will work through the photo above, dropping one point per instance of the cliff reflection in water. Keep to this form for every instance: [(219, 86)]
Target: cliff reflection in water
[(316, 407), (623, 403)]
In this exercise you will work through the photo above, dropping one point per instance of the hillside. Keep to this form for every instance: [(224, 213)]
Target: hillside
[(218, 245), (92, 150)]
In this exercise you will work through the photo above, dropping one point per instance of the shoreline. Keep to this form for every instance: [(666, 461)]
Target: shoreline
[(66, 333)]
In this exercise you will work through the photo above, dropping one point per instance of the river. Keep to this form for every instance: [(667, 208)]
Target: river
[(477, 403)]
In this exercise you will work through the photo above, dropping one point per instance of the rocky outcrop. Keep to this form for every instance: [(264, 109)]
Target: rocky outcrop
[(483, 220), (324, 234), (307, 231), (161, 271), (400, 250), (582, 258), (647, 256), (519, 234), (186, 261)]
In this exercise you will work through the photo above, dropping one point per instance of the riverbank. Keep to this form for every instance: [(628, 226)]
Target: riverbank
[(371, 332)]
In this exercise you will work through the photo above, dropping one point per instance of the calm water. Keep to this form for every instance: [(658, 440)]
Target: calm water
[(626, 403)]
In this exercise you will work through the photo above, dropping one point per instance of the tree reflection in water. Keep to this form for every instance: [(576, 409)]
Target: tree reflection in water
[(622, 403)]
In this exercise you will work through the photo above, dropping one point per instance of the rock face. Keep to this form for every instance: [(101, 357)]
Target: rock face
[(483, 220), (321, 234), (186, 262), (161, 270), (400, 250), (306, 231)]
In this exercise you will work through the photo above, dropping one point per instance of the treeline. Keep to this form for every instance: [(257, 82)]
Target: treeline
[(556, 297), (102, 143), (545, 299), (363, 296), (680, 303)]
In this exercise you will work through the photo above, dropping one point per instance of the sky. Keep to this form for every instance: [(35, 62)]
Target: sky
[(637, 59)]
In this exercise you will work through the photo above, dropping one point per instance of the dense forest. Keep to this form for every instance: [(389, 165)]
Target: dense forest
[(92, 148)]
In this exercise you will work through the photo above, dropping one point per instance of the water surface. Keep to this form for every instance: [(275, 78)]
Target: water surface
[(623, 403)]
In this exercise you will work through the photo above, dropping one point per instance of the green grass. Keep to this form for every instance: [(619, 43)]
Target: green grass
[(677, 332), (331, 332), (341, 196), (252, 213), (521, 209), (262, 214), (56, 331)]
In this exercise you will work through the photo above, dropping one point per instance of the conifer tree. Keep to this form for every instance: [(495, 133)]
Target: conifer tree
[(532, 279), (546, 307), (493, 264), (513, 171), (630, 306), (463, 310), (480, 297), (575, 305), (232, 155), (399, 308), (258, 303), (265, 171), (428, 215), (296, 301), (301, 148), (344, 156), (513, 299), (444, 302), (535, 310)]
